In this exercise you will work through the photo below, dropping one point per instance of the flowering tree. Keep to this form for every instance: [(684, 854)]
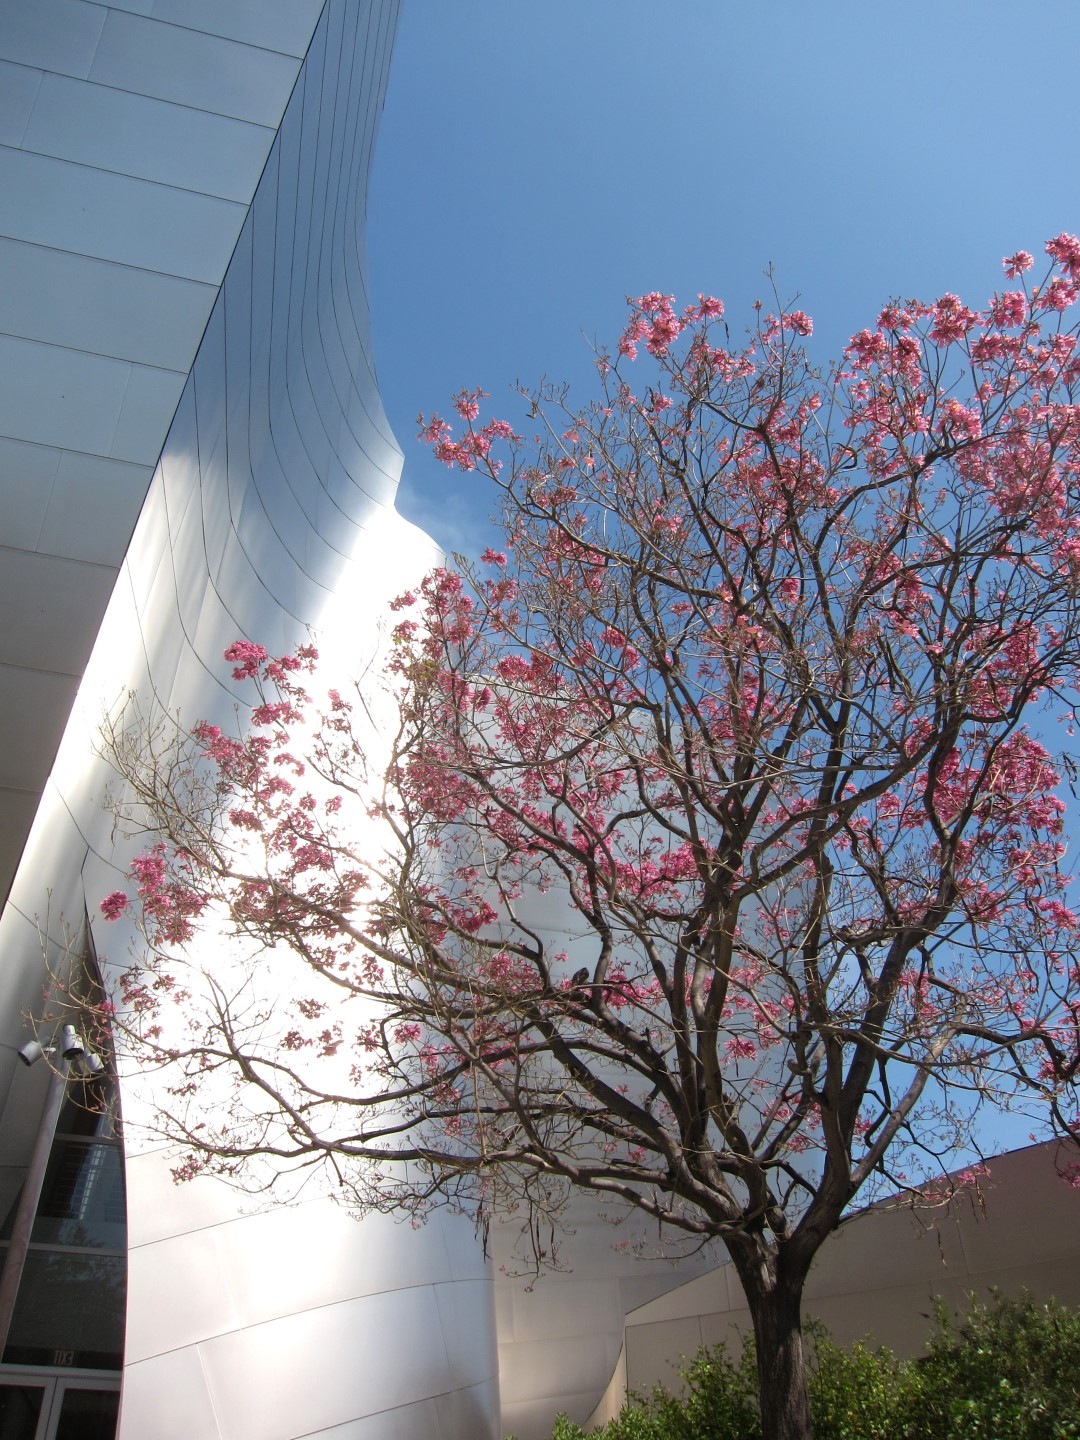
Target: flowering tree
[(759, 696)]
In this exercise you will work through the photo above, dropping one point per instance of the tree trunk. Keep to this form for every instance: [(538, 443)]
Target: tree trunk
[(773, 1287), (785, 1409)]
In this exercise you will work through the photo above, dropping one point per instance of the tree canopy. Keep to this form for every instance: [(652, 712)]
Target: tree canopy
[(762, 694)]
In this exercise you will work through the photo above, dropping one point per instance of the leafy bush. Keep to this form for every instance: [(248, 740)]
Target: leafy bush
[(718, 1402), (855, 1393), (1009, 1371)]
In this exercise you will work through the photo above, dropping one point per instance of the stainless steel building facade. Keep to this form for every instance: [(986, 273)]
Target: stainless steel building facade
[(192, 449)]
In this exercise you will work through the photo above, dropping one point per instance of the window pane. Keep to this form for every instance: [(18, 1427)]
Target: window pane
[(89, 1108), (82, 1200), (69, 1311), (88, 1415), (20, 1406)]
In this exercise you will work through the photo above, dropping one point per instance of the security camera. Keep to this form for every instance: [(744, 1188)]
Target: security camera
[(71, 1045), (84, 1063)]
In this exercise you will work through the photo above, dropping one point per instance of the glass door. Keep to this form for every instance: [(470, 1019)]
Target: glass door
[(58, 1407), (83, 1411), (21, 1406)]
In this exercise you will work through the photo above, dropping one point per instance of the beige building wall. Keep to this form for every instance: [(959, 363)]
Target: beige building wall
[(879, 1275)]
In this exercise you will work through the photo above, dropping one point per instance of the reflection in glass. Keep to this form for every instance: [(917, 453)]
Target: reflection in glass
[(70, 1311), (90, 1109), (20, 1406), (87, 1415), (82, 1199)]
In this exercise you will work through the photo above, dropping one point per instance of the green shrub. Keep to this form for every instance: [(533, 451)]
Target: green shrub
[(855, 1393), (566, 1429), (718, 1402), (1010, 1371)]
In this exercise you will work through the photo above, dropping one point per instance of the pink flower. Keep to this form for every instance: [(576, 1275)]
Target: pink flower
[(246, 658), (654, 301), (963, 421), (114, 905), (466, 404), (660, 334), (218, 747), (1059, 294), (952, 320), (1065, 249), (665, 329), (432, 431), (635, 331), (799, 321), (894, 317), (790, 589), (1009, 309), (1017, 263), (150, 869)]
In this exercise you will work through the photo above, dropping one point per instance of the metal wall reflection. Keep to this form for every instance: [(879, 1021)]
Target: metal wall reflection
[(271, 497)]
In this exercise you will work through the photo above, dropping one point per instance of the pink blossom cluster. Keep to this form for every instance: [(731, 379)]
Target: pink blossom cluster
[(750, 691), (1004, 451)]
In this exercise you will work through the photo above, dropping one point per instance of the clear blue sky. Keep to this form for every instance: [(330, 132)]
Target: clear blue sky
[(541, 159)]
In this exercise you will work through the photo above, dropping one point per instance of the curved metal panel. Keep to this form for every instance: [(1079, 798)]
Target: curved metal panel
[(271, 500)]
